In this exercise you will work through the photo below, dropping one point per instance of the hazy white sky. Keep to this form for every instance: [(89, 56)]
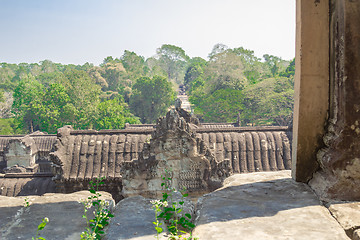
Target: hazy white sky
[(79, 31)]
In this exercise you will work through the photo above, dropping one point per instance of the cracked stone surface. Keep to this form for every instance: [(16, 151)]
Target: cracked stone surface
[(63, 210), (265, 206), (134, 217), (347, 214), (133, 220)]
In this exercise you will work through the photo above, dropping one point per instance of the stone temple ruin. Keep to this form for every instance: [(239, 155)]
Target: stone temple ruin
[(133, 159), (325, 152)]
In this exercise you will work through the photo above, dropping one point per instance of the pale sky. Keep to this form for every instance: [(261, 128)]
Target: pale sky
[(79, 31)]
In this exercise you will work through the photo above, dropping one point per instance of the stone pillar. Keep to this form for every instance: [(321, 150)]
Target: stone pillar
[(311, 85), (339, 176)]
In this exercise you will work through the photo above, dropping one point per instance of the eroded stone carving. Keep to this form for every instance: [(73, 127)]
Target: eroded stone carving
[(174, 146), (21, 153), (338, 176)]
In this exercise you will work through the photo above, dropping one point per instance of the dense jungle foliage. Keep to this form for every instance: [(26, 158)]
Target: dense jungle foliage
[(232, 85)]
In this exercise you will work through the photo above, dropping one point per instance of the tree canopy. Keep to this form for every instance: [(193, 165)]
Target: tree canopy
[(132, 89), (151, 98)]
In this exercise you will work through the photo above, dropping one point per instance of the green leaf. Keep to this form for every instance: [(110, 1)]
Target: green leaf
[(190, 224), (188, 215), (159, 229), (41, 226)]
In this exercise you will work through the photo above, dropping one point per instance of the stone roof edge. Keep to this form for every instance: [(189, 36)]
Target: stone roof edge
[(219, 123), (26, 175), (21, 136), (242, 129), (112, 131), (150, 130)]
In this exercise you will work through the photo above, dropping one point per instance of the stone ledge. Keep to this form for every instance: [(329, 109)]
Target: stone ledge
[(348, 216)]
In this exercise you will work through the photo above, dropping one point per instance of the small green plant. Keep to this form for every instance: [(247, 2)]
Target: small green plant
[(179, 225), (157, 206), (95, 227), (26, 202), (39, 228)]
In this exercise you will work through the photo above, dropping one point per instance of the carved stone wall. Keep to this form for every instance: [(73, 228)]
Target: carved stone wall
[(83, 155), (200, 156), (26, 168), (339, 174)]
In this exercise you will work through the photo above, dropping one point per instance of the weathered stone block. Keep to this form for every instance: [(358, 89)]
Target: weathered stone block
[(63, 210)]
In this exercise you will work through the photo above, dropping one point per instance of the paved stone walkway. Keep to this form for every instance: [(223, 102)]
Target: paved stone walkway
[(185, 104)]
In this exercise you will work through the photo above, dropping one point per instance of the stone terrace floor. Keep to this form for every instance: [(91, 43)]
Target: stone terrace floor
[(267, 205)]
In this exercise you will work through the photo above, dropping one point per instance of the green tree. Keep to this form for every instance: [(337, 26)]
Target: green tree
[(290, 70), (115, 75), (151, 98), (7, 73), (274, 106), (173, 60), (8, 127), (48, 66), (153, 68), (109, 59), (253, 67), (46, 79), (194, 72), (275, 64), (84, 95), (221, 106), (113, 114), (225, 70), (28, 97), (56, 109), (134, 64), (217, 49)]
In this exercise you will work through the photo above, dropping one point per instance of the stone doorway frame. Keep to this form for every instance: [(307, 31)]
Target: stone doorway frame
[(312, 76)]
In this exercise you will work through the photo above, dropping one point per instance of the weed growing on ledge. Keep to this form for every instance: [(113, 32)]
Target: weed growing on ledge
[(169, 211), (39, 228), (26, 202), (95, 226), (157, 206)]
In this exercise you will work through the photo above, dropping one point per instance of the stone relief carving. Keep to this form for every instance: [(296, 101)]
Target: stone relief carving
[(174, 146)]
